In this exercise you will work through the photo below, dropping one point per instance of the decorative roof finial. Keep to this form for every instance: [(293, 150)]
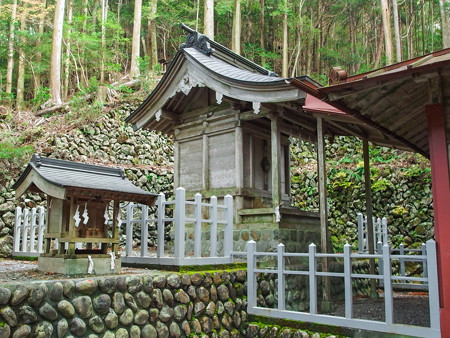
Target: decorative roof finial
[(197, 40)]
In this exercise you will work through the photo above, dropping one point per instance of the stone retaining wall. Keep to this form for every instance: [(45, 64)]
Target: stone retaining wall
[(203, 304), (160, 305)]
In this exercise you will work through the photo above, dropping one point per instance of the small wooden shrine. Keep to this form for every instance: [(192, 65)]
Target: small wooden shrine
[(82, 233)]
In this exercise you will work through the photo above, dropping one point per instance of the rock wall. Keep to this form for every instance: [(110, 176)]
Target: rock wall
[(163, 305), (148, 305), (401, 191)]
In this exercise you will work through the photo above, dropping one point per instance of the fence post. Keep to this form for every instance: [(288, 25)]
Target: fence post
[(160, 227), (41, 229), (281, 278), (388, 301), (385, 231), (17, 227), (433, 285), (402, 260), (380, 262), (26, 214), (425, 265), (129, 230), (228, 230), (348, 281), (180, 222), (312, 279), (198, 225), (377, 228), (32, 230), (360, 233), (251, 280), (213, 233), (144, 230)]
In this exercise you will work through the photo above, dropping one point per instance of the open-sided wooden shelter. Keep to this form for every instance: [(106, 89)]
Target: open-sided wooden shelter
[(410, 103), (79, 198)]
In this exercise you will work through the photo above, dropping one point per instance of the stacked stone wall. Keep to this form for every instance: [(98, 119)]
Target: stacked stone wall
[(162, 305)]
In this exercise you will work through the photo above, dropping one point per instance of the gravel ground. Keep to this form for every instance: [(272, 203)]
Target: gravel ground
[(12, 270), (409, 307)]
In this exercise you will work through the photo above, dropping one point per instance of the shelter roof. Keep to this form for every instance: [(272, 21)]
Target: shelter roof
[(60, 178), (393, 98)]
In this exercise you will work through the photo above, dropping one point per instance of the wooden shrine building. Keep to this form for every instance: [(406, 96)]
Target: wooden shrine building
[(232, 122), (83, 204)]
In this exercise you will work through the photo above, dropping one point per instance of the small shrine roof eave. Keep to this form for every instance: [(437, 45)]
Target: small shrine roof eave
[(190, 68), (60, 178)]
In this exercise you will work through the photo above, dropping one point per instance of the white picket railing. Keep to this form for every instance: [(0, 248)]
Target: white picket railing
[(348, 320), (185, 223), (29, 227), (380, 233)]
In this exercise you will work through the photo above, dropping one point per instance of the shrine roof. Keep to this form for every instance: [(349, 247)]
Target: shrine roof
[(59, 178)]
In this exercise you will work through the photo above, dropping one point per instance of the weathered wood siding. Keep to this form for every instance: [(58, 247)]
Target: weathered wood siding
[(191, 164), (222, 164)]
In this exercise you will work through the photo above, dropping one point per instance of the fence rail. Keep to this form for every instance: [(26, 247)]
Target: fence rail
[(188, 220), (348, 321), (29, 227)]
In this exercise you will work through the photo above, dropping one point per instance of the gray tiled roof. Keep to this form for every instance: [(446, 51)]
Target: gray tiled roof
[(228, 70), (67, 174)]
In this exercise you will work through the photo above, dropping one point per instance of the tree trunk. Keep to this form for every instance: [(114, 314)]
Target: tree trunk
[(152, 30), (104, 18), (386, 16), (285, 66), (21, 65), (85, 15), (136, 43), (10, 63), (379, 48), (444, 7), (261, 36), (55, 57), (208, 22), (119, 9), (236, 32), (67, 57), (37, 78), (398, 42)]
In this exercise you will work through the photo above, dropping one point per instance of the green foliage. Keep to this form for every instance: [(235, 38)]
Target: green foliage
[(11, 150), (41, 96), (381, 184)]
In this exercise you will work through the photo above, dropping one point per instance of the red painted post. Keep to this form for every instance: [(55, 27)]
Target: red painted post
[(441, 202)]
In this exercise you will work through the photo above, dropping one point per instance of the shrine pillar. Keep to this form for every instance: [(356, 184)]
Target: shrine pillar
[(441, 201), (275, 142)]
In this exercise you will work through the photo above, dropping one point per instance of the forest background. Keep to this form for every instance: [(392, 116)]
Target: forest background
[(68, 67)]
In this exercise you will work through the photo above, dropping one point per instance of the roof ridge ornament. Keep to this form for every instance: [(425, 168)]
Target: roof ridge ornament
[(36, 159), (199, 41)]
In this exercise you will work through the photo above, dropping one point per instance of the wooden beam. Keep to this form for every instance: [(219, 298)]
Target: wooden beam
[(440, 183), (369, 214), (275, 143), (205, 162), (323, 212)]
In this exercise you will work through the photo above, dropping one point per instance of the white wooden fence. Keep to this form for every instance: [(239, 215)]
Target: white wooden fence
[(348, 320), (29, 227), (187, 222), (380, 233)]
